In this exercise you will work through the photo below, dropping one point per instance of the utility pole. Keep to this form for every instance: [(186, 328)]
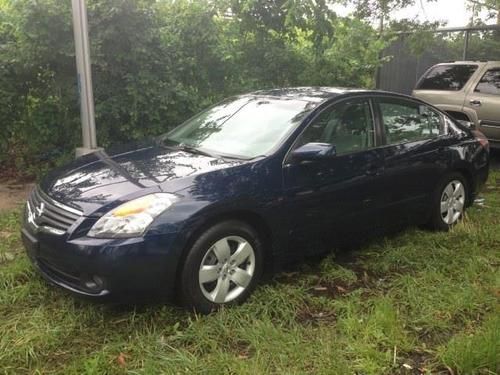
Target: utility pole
[(83, 67), (467, 33), (466, 45)]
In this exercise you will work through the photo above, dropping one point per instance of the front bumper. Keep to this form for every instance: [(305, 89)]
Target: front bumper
[(99, 268)]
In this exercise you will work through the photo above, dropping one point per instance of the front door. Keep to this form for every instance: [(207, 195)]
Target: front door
[(327, 196)]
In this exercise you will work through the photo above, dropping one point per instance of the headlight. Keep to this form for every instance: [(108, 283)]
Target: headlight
[(131, 219)]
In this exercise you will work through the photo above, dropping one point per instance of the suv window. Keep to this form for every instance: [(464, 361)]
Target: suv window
[(490, 83), (406, 121), (447, 77), (347, 125)]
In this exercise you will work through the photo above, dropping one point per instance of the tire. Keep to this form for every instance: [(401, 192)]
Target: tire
[(449, 202), (230, 254)]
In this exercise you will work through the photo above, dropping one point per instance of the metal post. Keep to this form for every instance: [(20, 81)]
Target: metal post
[(466, 44), (80, 29)]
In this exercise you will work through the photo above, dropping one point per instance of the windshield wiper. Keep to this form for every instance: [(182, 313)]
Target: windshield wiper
[(199, 151), (174, 145), (194, 150)]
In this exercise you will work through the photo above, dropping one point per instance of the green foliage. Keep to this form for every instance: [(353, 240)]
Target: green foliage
[(483, 45), (155, 63), (475, 352), (380, 9)]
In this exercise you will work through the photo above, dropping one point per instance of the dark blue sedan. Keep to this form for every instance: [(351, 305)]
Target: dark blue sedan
[(246, 185)]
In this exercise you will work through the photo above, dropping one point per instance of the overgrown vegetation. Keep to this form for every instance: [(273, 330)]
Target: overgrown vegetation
[(411, 303), (157, 62)]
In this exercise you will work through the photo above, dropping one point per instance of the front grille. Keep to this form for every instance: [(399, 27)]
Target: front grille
[(43, 211)]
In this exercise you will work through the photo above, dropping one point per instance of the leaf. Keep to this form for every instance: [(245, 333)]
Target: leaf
[(341, 289), (121, 360), (320, 288)]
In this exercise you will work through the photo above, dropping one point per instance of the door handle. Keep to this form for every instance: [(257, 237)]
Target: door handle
[(373, 170), (475, 102)]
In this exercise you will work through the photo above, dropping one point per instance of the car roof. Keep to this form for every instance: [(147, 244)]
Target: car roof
[(470, 62), (310, 94)]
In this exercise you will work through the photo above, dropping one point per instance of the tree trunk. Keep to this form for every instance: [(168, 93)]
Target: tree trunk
[(498, 19), (381, 24)]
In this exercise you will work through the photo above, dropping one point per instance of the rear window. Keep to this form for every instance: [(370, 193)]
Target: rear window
[(490, 83), (447, 77)]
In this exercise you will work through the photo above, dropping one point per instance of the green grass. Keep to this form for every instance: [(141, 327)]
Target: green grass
[(413, 302)]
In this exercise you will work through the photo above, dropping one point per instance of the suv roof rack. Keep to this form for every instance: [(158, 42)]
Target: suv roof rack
[(468, 61)]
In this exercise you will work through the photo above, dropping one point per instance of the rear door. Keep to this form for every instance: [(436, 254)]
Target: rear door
[(484, 98), (415, 155)]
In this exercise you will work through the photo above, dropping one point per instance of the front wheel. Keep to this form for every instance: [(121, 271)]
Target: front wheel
[(449, 202), (222, 267)]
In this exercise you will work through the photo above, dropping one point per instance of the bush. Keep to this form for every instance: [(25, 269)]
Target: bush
[(155, 63)]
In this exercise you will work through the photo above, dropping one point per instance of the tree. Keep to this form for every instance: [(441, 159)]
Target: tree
[(381, 9), (156, 62), (492, 6)]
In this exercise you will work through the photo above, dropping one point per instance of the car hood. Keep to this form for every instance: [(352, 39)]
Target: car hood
[(97, 179)]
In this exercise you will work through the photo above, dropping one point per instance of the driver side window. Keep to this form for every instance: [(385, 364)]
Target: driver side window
[(347, 125)]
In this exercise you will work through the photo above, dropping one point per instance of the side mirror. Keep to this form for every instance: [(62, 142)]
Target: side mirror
[(467, 124), (314, 151)]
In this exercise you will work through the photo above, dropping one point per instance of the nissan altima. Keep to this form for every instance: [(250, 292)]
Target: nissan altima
[(247, 185)]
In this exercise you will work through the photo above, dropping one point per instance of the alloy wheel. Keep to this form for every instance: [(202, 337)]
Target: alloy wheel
[(452, 202), (227, 269)]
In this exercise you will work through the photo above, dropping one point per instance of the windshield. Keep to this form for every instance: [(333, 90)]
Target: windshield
[(244, 127)]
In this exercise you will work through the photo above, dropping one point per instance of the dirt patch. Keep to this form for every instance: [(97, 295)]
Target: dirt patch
[(243, 349), (312, 315), (416, 363), (13, 194), (367, 283)]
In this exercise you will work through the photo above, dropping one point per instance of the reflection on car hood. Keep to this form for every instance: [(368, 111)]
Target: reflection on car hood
[(99, 178)]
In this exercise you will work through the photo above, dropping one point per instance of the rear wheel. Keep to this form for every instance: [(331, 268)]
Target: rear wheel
[(222, 267), (449, 202)]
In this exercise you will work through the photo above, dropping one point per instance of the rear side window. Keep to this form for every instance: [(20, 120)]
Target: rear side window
[(407, 121), (490, 83), (447, 77)]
